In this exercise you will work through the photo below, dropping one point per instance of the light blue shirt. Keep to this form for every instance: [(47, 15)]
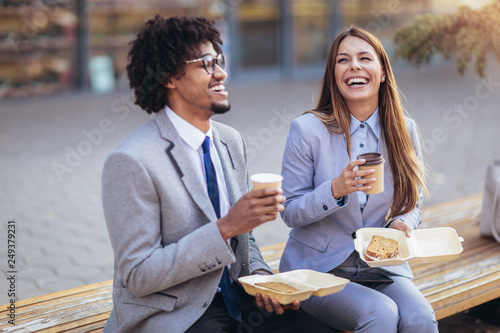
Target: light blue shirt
[(364, 139)]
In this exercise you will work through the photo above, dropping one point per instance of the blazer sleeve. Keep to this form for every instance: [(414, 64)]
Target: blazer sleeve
[(256, 260), (414, 217), (306, 202), (132, 210)]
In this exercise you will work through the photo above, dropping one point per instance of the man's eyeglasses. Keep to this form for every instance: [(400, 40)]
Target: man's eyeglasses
[(209, 62)]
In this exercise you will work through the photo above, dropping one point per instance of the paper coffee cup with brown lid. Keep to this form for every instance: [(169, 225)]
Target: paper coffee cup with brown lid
[(374, 161)]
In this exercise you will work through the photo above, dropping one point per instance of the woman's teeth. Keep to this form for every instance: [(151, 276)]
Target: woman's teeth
[(357, 80)]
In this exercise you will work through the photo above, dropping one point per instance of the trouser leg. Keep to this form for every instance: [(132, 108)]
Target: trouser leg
[(415, 313), (215, 319), (357, 308)]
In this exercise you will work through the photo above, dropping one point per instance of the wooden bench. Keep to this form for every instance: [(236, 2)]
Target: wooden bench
[(451, 287)]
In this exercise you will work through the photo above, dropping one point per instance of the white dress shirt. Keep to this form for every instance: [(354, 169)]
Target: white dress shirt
[(193, 139)]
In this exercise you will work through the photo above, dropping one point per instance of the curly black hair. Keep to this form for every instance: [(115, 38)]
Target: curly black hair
[(160, 51)]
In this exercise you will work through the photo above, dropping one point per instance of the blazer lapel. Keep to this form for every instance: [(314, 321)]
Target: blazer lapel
[(182, 162), (233, 187), (238, 243)]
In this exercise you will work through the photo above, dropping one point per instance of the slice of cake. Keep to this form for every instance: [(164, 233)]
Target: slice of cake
[(381, 248), (278, 286)]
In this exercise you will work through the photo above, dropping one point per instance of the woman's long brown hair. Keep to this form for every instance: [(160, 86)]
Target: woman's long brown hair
[(331, 109)]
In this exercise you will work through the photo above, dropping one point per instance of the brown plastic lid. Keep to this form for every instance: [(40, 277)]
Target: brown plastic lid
[(372, 158)]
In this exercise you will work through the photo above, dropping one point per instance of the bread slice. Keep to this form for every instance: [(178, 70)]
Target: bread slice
[(381, 248), (278, 286)]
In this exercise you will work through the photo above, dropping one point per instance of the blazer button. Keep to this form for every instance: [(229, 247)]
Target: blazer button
[(325, 207), (353, 235)]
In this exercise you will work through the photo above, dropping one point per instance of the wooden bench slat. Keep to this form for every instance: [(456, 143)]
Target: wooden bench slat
[(65, 293), (51, 306), (85, 325), (457, 282), (64, 318), (71, 306), (38, 312), (457, 302), (55, 302), (484, 283)]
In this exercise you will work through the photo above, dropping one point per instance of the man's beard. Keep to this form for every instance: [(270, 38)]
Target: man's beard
[(220, 108)]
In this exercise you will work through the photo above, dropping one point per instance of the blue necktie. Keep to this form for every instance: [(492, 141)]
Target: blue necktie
[(213, 193)]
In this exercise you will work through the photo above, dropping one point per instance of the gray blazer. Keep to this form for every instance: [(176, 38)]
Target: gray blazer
[(169, 253), (321, 236)]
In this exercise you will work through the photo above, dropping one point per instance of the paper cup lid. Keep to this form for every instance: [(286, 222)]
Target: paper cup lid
[(372, 158)]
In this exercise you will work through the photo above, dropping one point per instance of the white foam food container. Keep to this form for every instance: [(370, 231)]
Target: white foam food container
[(308, 282), (428, 245)]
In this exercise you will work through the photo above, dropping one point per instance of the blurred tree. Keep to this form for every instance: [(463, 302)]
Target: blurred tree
[(467, 34)]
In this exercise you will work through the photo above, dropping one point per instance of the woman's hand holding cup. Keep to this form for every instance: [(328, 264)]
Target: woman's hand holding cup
[(350, 180)]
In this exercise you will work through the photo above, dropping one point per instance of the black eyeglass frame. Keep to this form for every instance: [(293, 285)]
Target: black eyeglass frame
[(209, 62)]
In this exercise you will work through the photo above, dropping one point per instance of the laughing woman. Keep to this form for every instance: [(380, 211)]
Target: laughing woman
[(359, 111)]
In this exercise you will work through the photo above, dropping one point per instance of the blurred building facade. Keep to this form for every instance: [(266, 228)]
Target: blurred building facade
[(49, 46)]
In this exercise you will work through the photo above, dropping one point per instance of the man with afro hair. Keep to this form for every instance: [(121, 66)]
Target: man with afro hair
[(176, 201)]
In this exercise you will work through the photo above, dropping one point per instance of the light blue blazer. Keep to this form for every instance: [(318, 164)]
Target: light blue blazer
[(322, 232)]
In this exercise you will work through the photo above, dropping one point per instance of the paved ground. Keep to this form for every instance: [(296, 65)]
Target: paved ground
[(52, 151)]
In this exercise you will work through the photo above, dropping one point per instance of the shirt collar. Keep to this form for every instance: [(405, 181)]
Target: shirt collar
[(372, 122), (189, 133)]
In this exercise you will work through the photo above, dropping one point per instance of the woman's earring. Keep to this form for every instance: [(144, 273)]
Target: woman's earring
[(383, 79)]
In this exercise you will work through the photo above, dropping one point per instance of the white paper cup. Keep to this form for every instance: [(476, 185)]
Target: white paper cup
[(266, 180)]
